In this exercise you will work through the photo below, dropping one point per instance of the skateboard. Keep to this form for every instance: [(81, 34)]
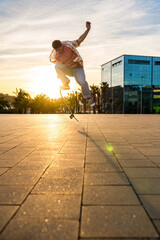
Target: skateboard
[(72, 114)]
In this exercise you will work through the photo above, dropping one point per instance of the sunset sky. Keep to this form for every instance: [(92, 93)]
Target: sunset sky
[(28, 28)]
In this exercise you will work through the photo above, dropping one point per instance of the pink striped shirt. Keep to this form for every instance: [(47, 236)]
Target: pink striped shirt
[(69, 57)]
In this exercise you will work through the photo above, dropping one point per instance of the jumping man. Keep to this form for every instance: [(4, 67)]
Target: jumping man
[(68, 62)]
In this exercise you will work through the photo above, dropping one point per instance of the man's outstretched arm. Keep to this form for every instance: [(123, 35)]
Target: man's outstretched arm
[(84, 35)]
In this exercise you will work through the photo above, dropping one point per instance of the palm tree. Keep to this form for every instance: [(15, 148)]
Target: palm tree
[(95, 92), (3, 103), (21, 101), (40, 104), (82, 100), (98, 100), (71, 100), (104, 88)]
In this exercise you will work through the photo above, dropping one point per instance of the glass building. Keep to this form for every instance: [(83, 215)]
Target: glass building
[(134, 85)]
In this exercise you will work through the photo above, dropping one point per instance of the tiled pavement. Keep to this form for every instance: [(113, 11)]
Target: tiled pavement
[(63, 180)]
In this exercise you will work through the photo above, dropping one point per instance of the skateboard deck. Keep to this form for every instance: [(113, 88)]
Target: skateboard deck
[(69, 109)]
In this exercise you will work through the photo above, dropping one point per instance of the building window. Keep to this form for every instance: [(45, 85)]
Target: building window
[(144, 62), (157, 63)]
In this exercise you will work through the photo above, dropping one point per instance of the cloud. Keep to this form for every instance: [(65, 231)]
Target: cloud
[(23, 55)]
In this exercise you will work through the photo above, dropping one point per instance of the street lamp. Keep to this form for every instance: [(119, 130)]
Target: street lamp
[(141, 94)]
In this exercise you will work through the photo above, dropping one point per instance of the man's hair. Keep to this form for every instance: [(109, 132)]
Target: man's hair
[(56, 44)]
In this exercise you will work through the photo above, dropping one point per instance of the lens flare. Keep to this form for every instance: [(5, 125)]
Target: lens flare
[(109, 148)]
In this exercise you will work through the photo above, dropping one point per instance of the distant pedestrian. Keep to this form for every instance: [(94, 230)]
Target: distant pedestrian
[(69, 63)]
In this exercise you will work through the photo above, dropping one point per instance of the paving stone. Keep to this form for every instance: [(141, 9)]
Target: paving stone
[(109, 195), (19, 178), (59, 186), (68, 163), (77, 139), (14, 155), (41, 229), (13, 194), (3, 170), (8, 163), (112, 138), (99, 154), (51, 205), (126, 149), (152, 205), (119, 238), (105, 179), (157, 223), (142, 172), (95, 148), (53, 172), (30, 144), (3, 150), (65, 156), (101, 159), (157, 163), (155, 157), (146, 185), (95, 137), (48, 146), (137, 163), (34, 142), (102, 167), (118, 143), (75, 145), (28, 167), (7, 146), (37, 160), (6, 212), (149, 151), (44, 154), (116, 221), (72, 150), (96, 143), (151, 145), (129, 156)]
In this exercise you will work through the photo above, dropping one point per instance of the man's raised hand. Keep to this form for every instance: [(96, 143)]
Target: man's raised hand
[(88, 25)]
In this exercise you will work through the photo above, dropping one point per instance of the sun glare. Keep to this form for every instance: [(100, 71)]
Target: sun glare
[(45, 81)]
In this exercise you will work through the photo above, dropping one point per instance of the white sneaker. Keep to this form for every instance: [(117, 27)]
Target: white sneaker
[(92, 104), (65, 86), (80, 103)]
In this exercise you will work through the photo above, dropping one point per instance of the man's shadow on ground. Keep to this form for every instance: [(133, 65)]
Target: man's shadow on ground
[(117, 166)]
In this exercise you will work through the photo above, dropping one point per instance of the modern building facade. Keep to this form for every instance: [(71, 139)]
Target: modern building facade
[(134, 85)]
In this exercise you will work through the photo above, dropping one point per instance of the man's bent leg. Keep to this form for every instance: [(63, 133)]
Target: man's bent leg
[(62, 71), (79, 75)]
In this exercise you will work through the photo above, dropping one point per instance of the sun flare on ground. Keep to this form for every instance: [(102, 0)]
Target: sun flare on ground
[(45, 81)]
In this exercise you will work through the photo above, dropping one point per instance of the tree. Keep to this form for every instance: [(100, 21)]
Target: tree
[(72, 101), (95, 92), (3, 104), (104, 88), (41, 104), (21, 101), (82, 100)]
